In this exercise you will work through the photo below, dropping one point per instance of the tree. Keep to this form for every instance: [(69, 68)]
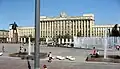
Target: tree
[(67, 36), (115, 32)]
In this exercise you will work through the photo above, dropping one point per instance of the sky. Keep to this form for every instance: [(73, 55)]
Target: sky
[(22, 11)]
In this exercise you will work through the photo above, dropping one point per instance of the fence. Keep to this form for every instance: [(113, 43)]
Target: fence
[(98, 42)]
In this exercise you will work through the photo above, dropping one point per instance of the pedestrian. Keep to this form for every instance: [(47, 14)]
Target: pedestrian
[(3, 48), (50, 57), (29, 66), (118, 47), (44, 66), (97, 54), (94, 51), (24, 49)]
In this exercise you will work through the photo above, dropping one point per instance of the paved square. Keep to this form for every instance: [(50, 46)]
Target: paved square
[(80, 55)]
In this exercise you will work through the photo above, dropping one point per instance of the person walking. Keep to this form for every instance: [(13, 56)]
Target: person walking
[(50, 57), (3, 48)]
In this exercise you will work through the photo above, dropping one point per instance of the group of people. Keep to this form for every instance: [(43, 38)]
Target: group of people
[(22, 49), (94, 53)]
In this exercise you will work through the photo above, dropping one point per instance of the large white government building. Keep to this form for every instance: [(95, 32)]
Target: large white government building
[(50, 27), (64, 24)]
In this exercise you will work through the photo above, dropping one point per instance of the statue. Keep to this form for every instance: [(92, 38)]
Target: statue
[(15, 34), (14, 26)]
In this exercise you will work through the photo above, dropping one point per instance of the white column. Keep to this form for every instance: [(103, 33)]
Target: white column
[(66, 40), (7, 39), (79, 26), (61, 27), (29, 47), (47, 29), (59, 40), (73, 28), (58, 27), (52, 28), (47, 39), (10, 39), (76, 24), (70, 40), (24, 39), (21, 40), (62, 40), (87, 28), (64, 28), (81, 22)]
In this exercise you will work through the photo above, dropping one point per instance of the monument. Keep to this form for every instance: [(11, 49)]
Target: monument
[(13, 29)]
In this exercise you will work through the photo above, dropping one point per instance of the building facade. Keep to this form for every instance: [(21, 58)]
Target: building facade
[(3, 35), (102, 30), (23, 33), (50, 27)]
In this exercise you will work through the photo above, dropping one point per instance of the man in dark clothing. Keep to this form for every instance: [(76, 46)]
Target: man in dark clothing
[(50, 57), (3, 50)]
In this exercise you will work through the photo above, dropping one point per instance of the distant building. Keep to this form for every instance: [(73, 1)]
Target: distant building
[(50, 27), (102, 30), (25, 32), (3, 35)]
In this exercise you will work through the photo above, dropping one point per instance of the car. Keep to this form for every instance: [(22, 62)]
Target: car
[(1, 53), (70, 58), (60, 57)]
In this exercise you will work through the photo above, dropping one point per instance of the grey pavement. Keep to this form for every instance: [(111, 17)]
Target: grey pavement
[(80, 55), (77, 65), (10, 63)]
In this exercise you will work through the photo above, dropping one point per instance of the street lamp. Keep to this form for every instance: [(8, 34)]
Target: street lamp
[(37, 35)]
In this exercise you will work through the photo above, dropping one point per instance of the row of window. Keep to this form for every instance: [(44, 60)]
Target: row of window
[(64, 21), (48, 24)]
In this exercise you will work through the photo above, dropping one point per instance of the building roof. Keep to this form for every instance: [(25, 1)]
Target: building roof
[(5, 30), (109, 25), (22, 27), (64, 16)]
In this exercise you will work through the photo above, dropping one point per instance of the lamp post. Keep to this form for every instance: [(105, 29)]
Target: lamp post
[(37, 35)]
